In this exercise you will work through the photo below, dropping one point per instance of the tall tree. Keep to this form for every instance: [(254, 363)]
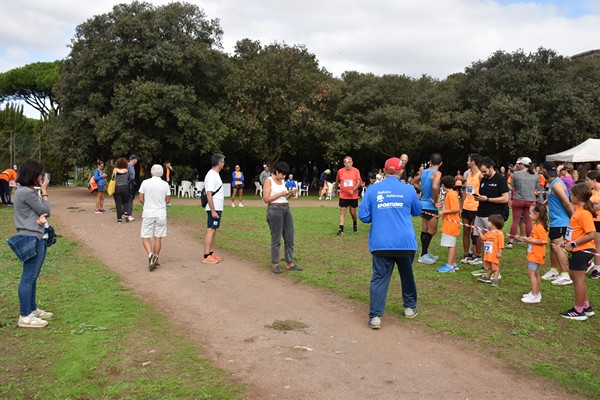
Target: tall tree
[(143, 79), (32, 84)]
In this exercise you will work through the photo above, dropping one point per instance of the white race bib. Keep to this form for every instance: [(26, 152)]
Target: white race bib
[(348, 183), (487, 247), (569, 233), (529, 248), (469, 190)]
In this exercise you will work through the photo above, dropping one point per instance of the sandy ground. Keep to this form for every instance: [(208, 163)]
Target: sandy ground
[(226, 309)]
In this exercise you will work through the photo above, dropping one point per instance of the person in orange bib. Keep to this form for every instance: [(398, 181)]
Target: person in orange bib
[(493, 244), (536, 251), (348, 182), (5, 177)]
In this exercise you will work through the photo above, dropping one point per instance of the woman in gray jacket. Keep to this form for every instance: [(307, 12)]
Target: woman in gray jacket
[(30, 210), (525, 182)]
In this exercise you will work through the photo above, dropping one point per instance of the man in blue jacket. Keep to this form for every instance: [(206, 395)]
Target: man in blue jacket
[(389, 206)]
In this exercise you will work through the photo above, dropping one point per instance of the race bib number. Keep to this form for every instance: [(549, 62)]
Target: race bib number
[(529, 248), (487, 247), (348, 183), (469, 190), (569, 234)]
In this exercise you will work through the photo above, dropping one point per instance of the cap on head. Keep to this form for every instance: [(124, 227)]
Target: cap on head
[(393, 165), (133, 157), (550, 167), (524, 160)]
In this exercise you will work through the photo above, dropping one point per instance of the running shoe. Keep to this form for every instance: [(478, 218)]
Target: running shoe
[(531, 299), (589, 312), (531, 294), (466, 259), (479, 272), (425, 259), (550, 275), (476, 261), (562, 281), (434, 258), (448, 268), (508, 246), (484, 279), (411, 312), (589, 267), (595, 274), (375, 323), (573, 314)]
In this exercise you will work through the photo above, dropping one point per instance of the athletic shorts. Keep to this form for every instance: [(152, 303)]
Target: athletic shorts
[(579, 260), (532, 266), (480, 222), (491, 265), (428, 214), (348, 203), (448, 240), (557, 232), (154, 227), (240, 186), (212, 222), (468, 214), (597, 225)]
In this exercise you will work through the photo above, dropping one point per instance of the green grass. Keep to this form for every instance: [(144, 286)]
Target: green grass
[(532, 339), (103, 343)]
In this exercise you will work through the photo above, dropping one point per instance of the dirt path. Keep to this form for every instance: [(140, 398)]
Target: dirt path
[(226, 309)]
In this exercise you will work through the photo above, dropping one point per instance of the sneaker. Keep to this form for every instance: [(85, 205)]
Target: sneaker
[(479, 272), (550, 275), (216, 257), (589, 312), (31, 321), (466, 259), (97, 211), (476, 260), (209, 260), (152, 260), (42, 314), (157, 264), (589, 267), (340, 232), (484, 279), (595, 274), (494, 282), (516, 241), (240, 205), (562, 281), (508, 246), (529, 298), (118, 221), (103, 210), (354, 228), (448, 268), (425, 259), (130, 218), (411, 312), (434, 258), (233, 205), (573, 314), (375, 323)]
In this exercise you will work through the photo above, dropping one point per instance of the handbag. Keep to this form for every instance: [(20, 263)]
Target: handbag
[(93, 185), (23, 246), (51, 239), (112, 185)]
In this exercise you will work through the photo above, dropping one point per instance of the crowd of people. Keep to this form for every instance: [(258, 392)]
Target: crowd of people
[(551, 207)]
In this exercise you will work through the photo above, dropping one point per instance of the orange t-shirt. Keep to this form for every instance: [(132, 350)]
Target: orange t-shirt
[(596, 200), (348, 179), (459, 180), (237, 174), (472, 187), (581, 223), (537, 252), (450, 223), (493, 241), (8, 175)]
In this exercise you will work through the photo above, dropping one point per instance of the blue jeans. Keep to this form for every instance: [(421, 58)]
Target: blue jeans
[(31, 271), (383, 267)]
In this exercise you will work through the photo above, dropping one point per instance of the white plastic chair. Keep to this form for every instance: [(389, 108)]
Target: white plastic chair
[(198, 186), (185, 189), (302, 189), (258, 190)]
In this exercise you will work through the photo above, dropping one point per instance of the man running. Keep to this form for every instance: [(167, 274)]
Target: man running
[(348, 181)]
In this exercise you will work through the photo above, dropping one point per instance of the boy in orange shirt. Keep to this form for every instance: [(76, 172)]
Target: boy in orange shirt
[(450, 223), (536, 251), (493, 243)]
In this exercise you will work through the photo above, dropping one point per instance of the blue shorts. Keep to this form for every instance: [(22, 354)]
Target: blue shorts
[(212, 222), (100, 188)]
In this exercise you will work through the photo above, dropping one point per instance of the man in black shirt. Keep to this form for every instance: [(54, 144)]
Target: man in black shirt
[(493, 195)]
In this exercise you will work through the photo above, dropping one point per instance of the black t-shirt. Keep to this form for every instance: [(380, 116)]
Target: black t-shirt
[(491, 188)]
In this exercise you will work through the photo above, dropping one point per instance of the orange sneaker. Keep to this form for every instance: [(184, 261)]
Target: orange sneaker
[(209, 260), (216, 257)]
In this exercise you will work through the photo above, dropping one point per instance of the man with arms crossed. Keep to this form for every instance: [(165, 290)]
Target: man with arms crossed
[(214, 193), (348, 181), (155, 194), (429, 183)]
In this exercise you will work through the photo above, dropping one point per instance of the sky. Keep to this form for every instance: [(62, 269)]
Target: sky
[(405, 37)]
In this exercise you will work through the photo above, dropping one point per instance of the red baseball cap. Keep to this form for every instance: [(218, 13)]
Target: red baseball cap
[(393, 165)]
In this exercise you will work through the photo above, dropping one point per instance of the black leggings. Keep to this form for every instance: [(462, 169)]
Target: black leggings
[(122, 199)]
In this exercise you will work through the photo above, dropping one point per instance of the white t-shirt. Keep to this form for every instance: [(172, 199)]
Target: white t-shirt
[(155, 191), (212, 182)]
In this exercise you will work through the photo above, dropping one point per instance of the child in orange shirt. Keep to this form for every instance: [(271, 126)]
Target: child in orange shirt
[(579, 241), (450, 223), (493, 243), (536, 251)]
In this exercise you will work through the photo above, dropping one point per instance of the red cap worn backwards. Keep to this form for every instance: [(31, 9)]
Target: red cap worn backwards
[(393, 165)]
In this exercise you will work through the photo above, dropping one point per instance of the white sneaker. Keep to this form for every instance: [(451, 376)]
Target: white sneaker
[(410, 312), (476, 261), (31, 321), (240, 205), (425, 259), (233, 205), (375, 323), (466, 259), (531, 294), (550, 275), (530, 298), (562, 281), (130, 218), (42, 314), (434, 258)]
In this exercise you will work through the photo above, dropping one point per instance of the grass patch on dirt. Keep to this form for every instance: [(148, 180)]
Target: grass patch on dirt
[(288, 325), (532, 339), (103, 342)]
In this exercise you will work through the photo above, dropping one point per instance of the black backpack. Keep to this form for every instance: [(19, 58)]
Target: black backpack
[(204, 198)]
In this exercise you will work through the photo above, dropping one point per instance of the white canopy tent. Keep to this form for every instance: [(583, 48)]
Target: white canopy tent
[(584, 152)]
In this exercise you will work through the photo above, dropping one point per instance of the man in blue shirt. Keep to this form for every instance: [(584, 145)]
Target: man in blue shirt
[(389, 206)]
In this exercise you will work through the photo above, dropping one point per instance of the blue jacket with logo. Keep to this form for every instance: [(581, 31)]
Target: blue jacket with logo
[(389, 206)]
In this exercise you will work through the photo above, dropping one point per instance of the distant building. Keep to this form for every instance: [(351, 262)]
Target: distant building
[(588, 55)]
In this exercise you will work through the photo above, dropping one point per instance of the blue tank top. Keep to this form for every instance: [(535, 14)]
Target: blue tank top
[(558, 215), (427, 190)]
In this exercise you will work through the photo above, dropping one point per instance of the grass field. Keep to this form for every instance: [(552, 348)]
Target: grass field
[(531, 338), (103, 343)]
